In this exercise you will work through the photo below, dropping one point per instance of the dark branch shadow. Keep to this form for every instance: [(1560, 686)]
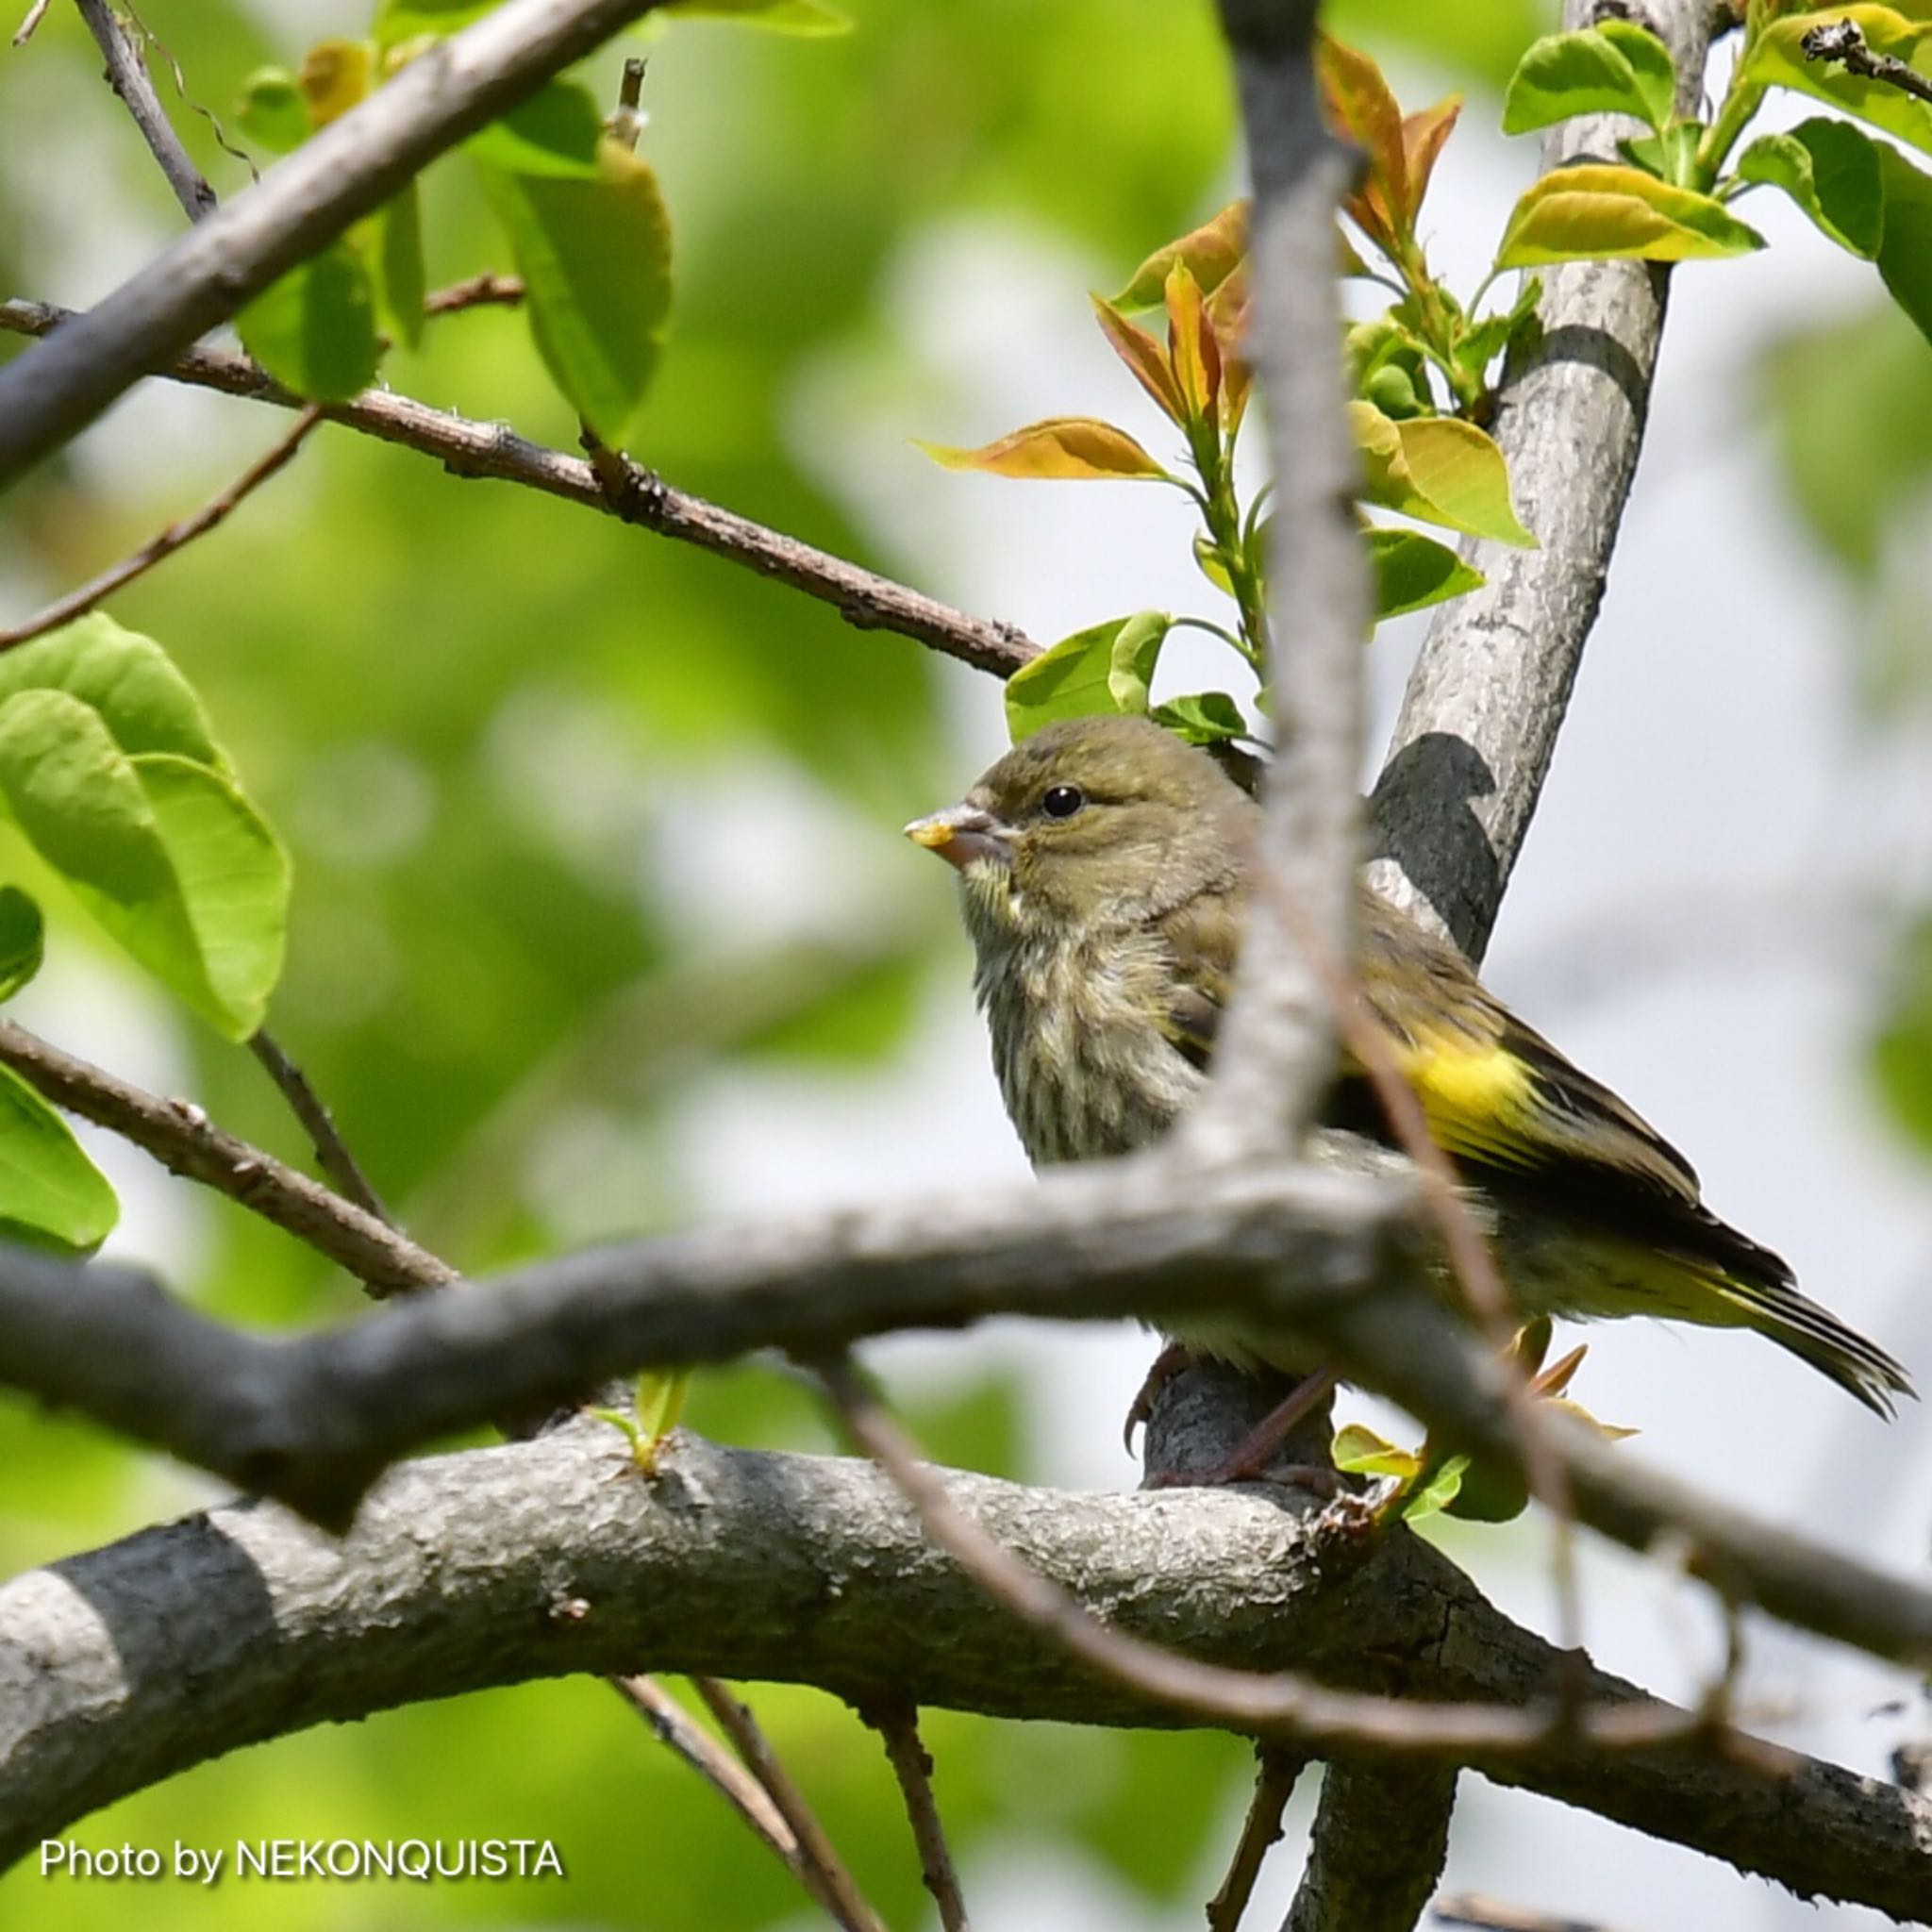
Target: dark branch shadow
[(1421, 817)]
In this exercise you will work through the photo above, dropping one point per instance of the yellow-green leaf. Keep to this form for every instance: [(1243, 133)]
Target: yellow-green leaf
[(1905, 252), (591, 239), (1412, 571), (1440, 469), (334, 77), (1061, 446), (1598, 210), (1361, 1451), (22, 940), (1102, 671), (809, 18), (51, 1194), (1613, 68), (271, 111), (1776, 55), (314, 330)]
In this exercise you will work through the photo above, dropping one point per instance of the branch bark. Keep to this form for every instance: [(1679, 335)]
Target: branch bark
[(1479, 721), (864, 599), (127, 1664), (128, 76), (346, 171), (1381, 1835)]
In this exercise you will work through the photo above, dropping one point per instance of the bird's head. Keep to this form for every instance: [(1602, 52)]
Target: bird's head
[(1089, 822)]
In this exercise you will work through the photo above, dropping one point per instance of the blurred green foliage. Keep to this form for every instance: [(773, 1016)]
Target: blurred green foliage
[(472, 712)]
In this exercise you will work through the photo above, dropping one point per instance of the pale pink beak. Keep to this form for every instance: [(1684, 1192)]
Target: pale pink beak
[(962, 835)]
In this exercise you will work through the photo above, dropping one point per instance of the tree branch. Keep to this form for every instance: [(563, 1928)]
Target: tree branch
[(1277, 1046), (123, 1666), (1381, 1834), (346, 171), (1479, 721), (164, 543), (897, 1725), (128, 76), (863, 598), (1277, 1768), (1841, 41), (183, 1140), (1315, 1251)]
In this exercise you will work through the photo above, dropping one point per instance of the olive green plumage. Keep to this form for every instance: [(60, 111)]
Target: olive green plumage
[(1102, 866)]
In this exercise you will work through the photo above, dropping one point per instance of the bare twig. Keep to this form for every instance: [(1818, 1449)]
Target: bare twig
[(77, 603), (1381, 1834), (1287, 1704), (897, 1725), (1276, 1770), (183, 1140), (128, 76), (306, 200), (1841, 41), (331, 1150), (476, 291), (678, 1734), (863, 598), (821, 1868), (25, 32), (1492, 1915)]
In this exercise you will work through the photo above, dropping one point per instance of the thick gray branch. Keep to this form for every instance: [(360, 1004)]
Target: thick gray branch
[(135, 1661), (1381, 1834), (349, 169), (1479, 722), (1324, 1254)]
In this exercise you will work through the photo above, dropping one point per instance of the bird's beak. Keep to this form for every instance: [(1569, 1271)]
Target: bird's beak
[(962, 835)]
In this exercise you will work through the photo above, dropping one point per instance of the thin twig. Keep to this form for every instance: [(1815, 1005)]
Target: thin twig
[(1492, 1915), (185, 1141), (1274, 1704), (822, 1871), (77, 603), (26, 31), (477, 291), (1276, 1771), (674, 1728), (331, 1150), (128, 76), (1843, 41), (898, 1727), (864, 599)]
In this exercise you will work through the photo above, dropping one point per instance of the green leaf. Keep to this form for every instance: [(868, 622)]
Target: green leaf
[(129, 680), (397, 21), (1482, 342), (1065, 447), (314, 330), (1831, 170), (51, 1194), (1203, 717), (1413, 571), (1776, 55), (592, 242), (1103, 670), (164, 852), (21, 940), (401, 280), (1439, 1492), (1612, 69), (272, 112), (1440, 469), (1597, 210), (1905, 251), (806, 17)]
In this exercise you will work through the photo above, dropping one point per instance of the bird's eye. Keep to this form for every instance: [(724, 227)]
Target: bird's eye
[(1062, 800)]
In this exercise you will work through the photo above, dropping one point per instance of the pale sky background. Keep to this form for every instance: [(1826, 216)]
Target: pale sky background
[(1695, 920)]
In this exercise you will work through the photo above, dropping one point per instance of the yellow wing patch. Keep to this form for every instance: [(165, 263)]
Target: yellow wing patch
[(1479, 1100)]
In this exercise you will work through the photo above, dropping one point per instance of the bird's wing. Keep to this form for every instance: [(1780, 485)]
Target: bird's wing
[(1495, 1091), (1203, 935)]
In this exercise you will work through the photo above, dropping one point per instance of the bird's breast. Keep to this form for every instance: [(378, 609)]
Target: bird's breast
[(1083, 1065)]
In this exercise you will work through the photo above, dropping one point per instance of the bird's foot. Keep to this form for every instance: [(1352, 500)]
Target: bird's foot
[(1164, 1368)]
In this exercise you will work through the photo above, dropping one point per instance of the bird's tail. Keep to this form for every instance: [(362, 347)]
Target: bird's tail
[(1781, 1314)]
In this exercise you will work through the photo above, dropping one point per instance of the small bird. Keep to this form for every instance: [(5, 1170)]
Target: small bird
[(1101, 865)]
